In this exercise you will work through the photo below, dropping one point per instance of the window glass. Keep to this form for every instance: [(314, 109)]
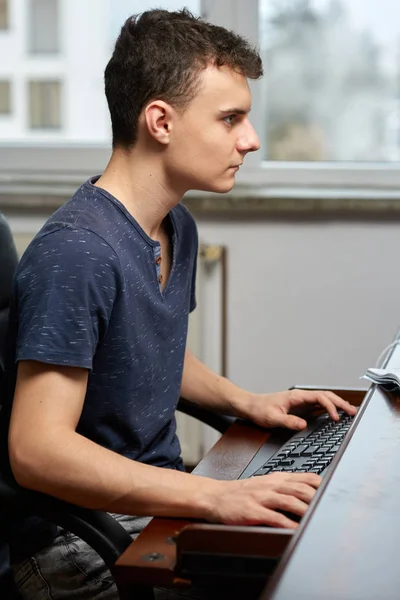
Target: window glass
[(44, 104), (44, 35), (4, 14), (331, 88), (5, 97)]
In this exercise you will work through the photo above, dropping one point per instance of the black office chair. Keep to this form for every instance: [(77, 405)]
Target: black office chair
[(8, 264), (103, 533)]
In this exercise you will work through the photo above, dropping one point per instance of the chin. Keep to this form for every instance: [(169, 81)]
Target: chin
[(218, 187), (225, 188)]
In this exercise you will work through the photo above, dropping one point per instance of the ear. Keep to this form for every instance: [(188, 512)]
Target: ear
[(158, 116)]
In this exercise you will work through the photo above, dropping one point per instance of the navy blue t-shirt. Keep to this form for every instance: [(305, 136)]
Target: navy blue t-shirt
[(87, 294)]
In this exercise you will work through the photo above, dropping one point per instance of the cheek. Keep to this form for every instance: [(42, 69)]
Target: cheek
[(204, 150), (217, 149)]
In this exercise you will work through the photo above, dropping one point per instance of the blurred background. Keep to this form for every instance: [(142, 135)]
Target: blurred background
[(298, 267)]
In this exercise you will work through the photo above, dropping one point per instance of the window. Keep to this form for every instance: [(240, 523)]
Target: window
[(336, 173), (45, 104), (5, 97), (4, 14), (329, 123), (44, 35), (332, 80)]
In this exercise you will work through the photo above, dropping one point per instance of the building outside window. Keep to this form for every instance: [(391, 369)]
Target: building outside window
[(5, 97), (45, 104), (43, 27)]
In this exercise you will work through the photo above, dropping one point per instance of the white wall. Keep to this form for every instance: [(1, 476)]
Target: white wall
[(309, 301)]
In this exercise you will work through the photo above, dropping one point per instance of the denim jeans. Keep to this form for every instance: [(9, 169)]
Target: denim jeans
[(70, 569)]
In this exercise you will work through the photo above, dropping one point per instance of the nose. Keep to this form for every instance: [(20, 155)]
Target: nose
[(248, 141)]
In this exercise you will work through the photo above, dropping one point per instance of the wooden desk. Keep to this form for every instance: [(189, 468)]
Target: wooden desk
[(348, 546), (152, 558)]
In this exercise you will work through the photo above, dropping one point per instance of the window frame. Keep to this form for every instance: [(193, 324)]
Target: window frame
[(297, 179)]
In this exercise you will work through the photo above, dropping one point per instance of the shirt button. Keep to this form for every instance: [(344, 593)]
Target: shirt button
[(160, 279), (158, 260)]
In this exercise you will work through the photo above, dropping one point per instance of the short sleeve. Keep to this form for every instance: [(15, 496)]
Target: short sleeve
[(66, 287)]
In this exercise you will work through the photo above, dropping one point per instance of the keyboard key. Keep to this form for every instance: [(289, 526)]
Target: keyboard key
[(283, 453), (310, 450), (299, 450)]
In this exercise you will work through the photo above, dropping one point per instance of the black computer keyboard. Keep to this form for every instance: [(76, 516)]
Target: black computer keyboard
[(310, 450)]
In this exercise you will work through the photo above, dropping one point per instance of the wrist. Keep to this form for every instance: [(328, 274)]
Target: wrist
[(242, 403), (207, 502)]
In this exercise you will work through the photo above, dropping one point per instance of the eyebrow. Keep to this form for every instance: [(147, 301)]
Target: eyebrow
[(238, 111)]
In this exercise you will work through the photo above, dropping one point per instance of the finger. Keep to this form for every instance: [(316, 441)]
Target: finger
[(311, 479), (302, 397), (343, 404), (262, 515), (324, 400), (280, 477), (291, 422), (275, 519), (302, 491), (290, 503)]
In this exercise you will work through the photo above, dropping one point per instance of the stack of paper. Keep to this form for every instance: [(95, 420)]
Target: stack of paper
[(388, 378)]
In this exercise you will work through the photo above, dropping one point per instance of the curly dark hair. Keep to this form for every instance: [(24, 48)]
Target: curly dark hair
[(160, 54)]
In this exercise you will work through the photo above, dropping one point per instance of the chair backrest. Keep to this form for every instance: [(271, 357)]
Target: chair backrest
[(106, 536), (8, 265)]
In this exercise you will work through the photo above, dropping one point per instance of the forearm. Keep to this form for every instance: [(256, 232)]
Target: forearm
[(75, 469), (202, 386)]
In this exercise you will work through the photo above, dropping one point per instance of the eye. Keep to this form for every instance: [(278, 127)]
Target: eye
[(229, 119)]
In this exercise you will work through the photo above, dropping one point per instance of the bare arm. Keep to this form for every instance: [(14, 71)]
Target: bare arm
[(48, 455), (204, 387)]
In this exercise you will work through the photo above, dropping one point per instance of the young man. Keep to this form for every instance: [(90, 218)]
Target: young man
[(101, 308)]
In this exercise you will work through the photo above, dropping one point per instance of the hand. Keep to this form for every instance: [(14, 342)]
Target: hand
[(273, 410), (254, 501)]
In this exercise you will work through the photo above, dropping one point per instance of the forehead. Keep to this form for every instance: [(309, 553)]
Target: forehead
[(220, 88)]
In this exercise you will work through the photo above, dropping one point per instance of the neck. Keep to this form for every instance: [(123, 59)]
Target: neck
[(137, 179)]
